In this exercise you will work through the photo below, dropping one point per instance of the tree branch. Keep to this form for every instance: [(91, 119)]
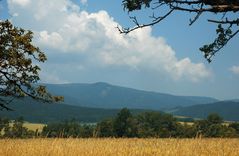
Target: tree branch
[(225, 22), (222, 7), (157, 20)]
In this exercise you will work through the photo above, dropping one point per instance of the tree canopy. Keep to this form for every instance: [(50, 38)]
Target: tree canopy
[(161, 9), (18, 66)]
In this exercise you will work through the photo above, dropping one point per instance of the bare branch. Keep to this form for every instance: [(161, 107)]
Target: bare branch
[(231, 22), (157, 20), (195, 18)]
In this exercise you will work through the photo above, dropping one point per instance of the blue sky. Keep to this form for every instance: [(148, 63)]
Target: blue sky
[(83, 46)]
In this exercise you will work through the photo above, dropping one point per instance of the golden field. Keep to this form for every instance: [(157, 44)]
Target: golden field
[(34, 126), (119, 147)]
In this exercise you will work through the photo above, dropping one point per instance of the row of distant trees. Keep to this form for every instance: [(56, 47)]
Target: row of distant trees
[(161, 125), (144, 125)]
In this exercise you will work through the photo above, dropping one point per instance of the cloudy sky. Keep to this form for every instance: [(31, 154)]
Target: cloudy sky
[(83, 46)]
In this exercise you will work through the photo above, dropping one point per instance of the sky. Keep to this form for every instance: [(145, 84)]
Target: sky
[(83, 45)]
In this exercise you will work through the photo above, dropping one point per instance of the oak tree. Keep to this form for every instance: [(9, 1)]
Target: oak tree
[(19, 71)]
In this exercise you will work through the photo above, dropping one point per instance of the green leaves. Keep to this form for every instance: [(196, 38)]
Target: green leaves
[(132, 5), (224, 35), (122, 122)]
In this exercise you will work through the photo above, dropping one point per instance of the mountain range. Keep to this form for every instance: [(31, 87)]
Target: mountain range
[(104, 95), (97, 101)]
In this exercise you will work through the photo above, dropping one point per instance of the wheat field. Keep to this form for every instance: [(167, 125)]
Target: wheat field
[(119, 147)]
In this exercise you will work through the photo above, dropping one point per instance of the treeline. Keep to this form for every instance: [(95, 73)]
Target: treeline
[(162, 125), (144, 125)]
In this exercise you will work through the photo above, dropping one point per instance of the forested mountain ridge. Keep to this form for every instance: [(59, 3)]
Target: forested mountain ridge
[(104, 95), (41, 112)]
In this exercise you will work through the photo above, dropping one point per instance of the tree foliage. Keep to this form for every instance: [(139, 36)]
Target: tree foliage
[(161, 9), (214, 119), (105, 128), (18, 66), (123, 125), (154, 124)]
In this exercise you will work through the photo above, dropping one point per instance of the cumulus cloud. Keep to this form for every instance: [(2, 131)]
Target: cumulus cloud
[(235, 69), (62, 28)]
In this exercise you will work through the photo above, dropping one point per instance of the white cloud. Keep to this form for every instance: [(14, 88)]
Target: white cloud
[(53, 40), (21, 3), (235, 69), (61, 28)]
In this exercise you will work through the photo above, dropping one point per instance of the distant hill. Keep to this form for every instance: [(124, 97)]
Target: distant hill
[(229, 110), (103, 95), (38, 112)]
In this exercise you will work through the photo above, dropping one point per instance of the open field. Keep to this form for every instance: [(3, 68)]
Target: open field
[(34, 126), (119, 147)]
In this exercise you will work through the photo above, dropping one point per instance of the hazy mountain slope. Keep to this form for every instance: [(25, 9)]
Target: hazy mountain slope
[(103, 95), (229, 110)]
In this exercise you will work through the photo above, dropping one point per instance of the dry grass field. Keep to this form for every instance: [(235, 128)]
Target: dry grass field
[(34, 126), (119, 147)]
